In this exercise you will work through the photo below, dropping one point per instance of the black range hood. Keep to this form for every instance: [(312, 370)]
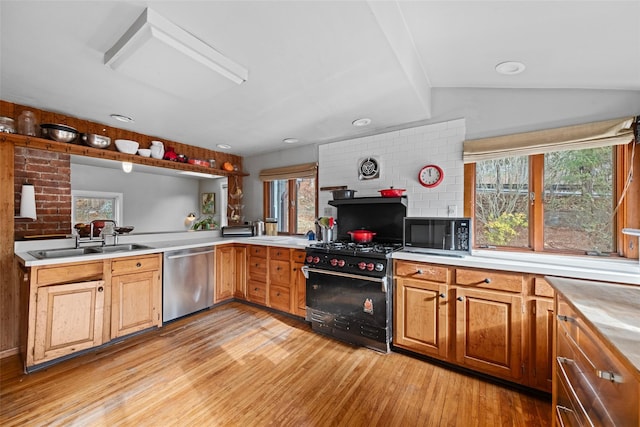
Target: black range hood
[(382, 215)]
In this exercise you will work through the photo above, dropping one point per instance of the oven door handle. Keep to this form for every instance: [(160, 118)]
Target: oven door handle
[(383, 280)]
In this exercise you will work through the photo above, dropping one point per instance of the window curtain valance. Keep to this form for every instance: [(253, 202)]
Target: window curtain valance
[(590, 135), (305, 170)]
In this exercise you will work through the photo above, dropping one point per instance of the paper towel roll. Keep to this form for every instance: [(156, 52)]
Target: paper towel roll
[(28, 202)]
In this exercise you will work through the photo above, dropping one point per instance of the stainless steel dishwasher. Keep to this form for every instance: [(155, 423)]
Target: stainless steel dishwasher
[(187, 282)]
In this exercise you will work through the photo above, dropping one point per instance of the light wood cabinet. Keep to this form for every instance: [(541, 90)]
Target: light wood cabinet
[(136, 298), (225, 273), (68, 318), (230, 272), (257, 274), (593, 385), (489, 332), (67, 310), (541, 335), (299, 285), (421, 316), (469, 317), (279, 284)]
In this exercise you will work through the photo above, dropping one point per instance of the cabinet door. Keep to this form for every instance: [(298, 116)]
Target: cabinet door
[(68, 319), (300, 289), (135, 302), (225, 273), (421, 317), (489, 332), (240, 279), (542, 344)]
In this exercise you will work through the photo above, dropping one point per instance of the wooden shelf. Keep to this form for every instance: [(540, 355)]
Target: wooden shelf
[(83, 150)]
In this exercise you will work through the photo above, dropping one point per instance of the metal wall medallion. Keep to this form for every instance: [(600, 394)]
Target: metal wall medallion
[(368, 168)]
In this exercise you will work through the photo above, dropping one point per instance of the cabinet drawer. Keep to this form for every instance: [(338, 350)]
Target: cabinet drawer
[(68, 273), (280, 272), (417, 270), (257, 269), (280, 298), (488, 279), (298, 256), (281, 254), (258, 251), (542, 288), (600, 380), (257, 292), (135, 264)]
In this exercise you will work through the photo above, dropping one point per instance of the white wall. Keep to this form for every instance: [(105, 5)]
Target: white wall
[(152, 203), (401, 155)]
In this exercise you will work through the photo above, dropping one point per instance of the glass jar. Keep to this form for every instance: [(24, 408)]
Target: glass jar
[(6, 125), (27, 124)]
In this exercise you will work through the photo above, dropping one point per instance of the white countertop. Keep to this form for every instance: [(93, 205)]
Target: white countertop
[(589, 268), (613, 310), (617, 270), (162, 242)]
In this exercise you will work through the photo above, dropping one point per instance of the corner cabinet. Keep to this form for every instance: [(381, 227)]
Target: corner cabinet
[(230, 272), (135, 294)]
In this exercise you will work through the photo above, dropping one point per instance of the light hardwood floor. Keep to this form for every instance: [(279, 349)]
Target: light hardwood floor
[(237, 365)]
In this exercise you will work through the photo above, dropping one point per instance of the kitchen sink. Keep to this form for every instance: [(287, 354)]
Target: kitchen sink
[(118, 248), (72, 252), (61, 253)]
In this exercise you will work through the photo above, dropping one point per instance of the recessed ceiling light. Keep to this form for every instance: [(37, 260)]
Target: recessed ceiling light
[(510, 67), (291, 140), (361, 122), (223, 146), (121, 118)]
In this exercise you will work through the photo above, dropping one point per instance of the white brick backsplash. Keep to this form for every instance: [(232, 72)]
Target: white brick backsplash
[(401, 155)]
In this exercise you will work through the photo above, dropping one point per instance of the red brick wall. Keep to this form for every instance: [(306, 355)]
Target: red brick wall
[(50, 174)]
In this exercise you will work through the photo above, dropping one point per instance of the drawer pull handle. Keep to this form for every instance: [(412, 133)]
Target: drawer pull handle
[(443, 296), (277, 294), (138, 265), (460, 298), (609, 376), (419, 272), (564, 318), (255, 289), (100, 289), (487, 280)]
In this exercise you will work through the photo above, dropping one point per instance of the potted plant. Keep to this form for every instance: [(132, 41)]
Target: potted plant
[(206, 223)]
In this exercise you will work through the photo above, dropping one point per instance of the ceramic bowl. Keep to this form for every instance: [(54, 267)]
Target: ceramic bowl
[(144, 152), (127, 146)]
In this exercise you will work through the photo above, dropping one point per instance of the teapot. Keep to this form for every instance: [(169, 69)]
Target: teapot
[(157, 149)]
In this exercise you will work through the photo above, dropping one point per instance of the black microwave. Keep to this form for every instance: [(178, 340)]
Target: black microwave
[(437, 236)]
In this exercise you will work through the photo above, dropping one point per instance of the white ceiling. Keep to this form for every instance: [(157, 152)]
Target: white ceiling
[(314, 66)]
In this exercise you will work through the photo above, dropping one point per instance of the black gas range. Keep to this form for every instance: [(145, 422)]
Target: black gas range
[(349, 285)]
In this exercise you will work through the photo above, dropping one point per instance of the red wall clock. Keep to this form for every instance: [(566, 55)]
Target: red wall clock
[(430, 176)]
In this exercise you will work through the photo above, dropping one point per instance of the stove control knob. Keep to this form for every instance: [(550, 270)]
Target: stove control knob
[(341, 263), (370, 266), (362, 265), (316, 259), (333, 262), (309, 259), (379, 266)]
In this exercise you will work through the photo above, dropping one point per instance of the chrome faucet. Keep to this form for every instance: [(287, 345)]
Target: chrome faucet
[(115, 235)]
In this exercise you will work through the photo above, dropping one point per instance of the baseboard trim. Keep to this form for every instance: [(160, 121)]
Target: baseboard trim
[(9, 352)]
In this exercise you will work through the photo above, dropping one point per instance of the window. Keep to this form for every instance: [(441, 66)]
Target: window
[(290, 196), (577, 200), (90, 205), (293, 203), (565, 190)]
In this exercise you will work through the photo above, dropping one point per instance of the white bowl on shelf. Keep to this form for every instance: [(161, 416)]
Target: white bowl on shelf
[(127, 146), (144, 152)]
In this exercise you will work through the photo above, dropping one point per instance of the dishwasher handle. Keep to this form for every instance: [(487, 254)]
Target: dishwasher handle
[(190, 254)]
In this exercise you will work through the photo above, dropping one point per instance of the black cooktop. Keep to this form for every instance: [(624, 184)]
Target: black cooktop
[(374, 249)]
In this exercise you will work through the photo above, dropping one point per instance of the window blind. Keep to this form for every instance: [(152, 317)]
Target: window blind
[(577, 137), (305, 170)]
